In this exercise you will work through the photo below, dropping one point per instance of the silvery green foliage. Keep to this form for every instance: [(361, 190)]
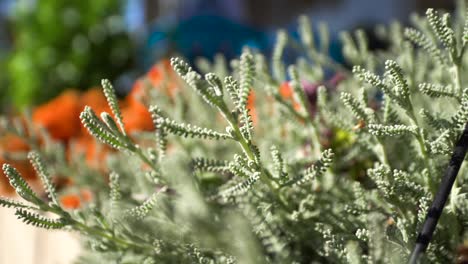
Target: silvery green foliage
[(349, 178), (39, 221), (144, 209), (209, 165), (109, 93), (115, 192), (41, 170), (103, 131), (187, 130), (21, 187)]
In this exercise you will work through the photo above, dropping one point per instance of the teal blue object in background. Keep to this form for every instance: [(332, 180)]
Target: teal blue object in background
[(204, 36)]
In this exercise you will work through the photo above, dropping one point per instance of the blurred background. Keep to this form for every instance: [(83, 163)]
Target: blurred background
[(47, 46)]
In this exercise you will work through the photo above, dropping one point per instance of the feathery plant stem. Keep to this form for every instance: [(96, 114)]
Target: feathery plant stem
[(40, 169), (102, 233), (67, 219), (6, 202), (110, 235), (139, 152), (108, 130), (404, 96), (265, 175), (423, 149), (93, 230), (240, 99)]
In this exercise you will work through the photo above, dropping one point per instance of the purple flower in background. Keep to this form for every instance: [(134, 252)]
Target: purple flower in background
[(310, 89), (336, 79)]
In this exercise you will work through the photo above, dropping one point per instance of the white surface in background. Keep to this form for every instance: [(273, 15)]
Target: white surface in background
[(25, 244)]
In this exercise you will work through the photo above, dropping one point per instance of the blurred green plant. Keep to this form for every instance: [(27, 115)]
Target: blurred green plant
[(64, 44)]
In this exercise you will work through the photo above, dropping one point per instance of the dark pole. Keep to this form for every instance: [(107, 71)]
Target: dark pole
[(424, 237)]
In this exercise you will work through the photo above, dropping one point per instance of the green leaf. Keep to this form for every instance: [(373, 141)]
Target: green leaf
[(41, 170), (436, 91), (215, 83), (232, 87), (210, 165), (461, 116), (110, 123), (277, 62), (443, 145), (8, 203), (401, 88), (187, 130), (426, 44), (279, 165), (109, 92), (240, 188), (356, 108), (99, 130), (305, 32), (391, 130), (143, 210), (373, 79), (193, 79), (161, 134), (238, 170), (39, 221), (298, 89), (21, 186), (316, 170), (115, 194), (246, 126), (247, 74), (441, 28), (434, 121)]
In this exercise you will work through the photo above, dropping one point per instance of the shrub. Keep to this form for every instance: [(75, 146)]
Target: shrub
[(251, 167), (63, 44)]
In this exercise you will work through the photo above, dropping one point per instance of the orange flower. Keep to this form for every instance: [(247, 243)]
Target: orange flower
[(82, 145), (137, 118), (12, 143), (286, 91), (60, 116), (135, 114), (251, 107), (70, 201), (95, 98), (94, 152), (135, 95), (162, 76), (86, 195), (155, 75)]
